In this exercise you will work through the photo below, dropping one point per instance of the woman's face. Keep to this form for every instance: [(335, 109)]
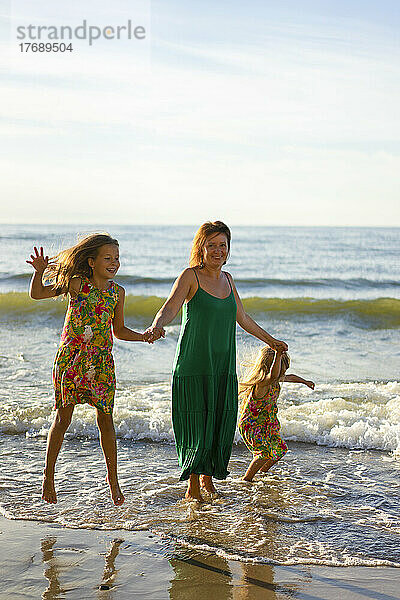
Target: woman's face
[(215, 250)]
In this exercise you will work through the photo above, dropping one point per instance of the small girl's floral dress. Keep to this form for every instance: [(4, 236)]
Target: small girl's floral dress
[(259, 425)]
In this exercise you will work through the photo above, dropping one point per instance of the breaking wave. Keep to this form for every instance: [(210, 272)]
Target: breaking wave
[(377, 313)]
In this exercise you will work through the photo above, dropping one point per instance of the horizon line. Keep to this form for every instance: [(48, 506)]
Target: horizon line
[(99, 224)]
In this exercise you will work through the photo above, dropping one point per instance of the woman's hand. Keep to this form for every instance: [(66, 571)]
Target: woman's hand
[(152, 334), (39, 262), (278, 346)]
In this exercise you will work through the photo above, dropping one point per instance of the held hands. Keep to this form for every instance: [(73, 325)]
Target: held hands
[(39, 262), (279, 346), (152, 334)]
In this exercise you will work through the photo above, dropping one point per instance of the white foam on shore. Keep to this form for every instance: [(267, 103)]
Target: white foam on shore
[(309, 550), (349, 415)]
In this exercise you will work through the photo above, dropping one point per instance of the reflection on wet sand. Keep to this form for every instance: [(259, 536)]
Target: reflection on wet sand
[(204, 576), (256, 580), (110, 572), (51, 572), (53, 569), (201, 577)]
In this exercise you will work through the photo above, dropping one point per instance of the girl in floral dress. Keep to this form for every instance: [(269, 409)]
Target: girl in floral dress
[(84, 368), (258, 421)]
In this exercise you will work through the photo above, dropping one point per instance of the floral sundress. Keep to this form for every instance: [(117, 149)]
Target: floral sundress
[(259, 425), (83, 369)]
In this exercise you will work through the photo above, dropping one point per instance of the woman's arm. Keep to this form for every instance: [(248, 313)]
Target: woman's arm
[(181, 290), (292, 378), (249, 325), (120, 330), (37, 290)]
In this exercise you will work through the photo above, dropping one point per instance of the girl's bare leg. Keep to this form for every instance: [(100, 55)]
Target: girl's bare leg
[(109, 446), (258, 464), (207, 483), (270, 463), (54, 442), (193, 490)]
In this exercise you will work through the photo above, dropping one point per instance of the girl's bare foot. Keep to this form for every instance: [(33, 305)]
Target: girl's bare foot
[(246, 478), (258, 465), (48, 490), (116, 493), (206, 482)]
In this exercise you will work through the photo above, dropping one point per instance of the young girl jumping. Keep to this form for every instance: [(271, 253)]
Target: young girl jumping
[(83, 369), (258, 422)]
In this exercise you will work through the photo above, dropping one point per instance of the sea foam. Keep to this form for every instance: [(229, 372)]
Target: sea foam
[(350, 415)]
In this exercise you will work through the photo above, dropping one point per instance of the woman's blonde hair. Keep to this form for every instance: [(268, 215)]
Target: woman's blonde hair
[(74, 261), (258, 371), (199, 240)]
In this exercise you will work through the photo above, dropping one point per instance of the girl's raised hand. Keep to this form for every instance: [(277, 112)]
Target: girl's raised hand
[(39, 262)]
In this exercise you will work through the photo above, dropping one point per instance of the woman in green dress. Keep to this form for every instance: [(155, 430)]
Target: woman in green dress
[(204, 385)]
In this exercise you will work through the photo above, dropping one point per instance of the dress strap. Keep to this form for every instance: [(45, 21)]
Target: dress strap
[(229, 281), (198, 282)]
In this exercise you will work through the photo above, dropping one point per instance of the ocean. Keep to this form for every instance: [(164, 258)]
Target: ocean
[(331, 293)]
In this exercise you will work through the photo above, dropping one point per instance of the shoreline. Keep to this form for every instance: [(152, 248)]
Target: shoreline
[(44, 560)]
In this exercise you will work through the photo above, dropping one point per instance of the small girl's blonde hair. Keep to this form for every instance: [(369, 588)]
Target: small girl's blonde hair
[(258, 371)]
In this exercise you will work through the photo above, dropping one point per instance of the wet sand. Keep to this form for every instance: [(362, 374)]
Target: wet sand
[(41, 560)]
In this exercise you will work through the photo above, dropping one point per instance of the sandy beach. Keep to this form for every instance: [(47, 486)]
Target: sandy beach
[(50, 562)]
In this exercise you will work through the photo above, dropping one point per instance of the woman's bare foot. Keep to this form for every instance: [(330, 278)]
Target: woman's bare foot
[(116, 493), (193, 489), (190, 495), (48, 490), (206, 482)]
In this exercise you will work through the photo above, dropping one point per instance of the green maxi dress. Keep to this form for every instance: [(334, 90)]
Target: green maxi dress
[(204, 385)]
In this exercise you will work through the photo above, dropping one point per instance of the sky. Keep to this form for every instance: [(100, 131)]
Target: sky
[(265, 112)]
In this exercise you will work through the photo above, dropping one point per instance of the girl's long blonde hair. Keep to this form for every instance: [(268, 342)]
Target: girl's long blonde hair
[(258, 371), (74, 261)]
